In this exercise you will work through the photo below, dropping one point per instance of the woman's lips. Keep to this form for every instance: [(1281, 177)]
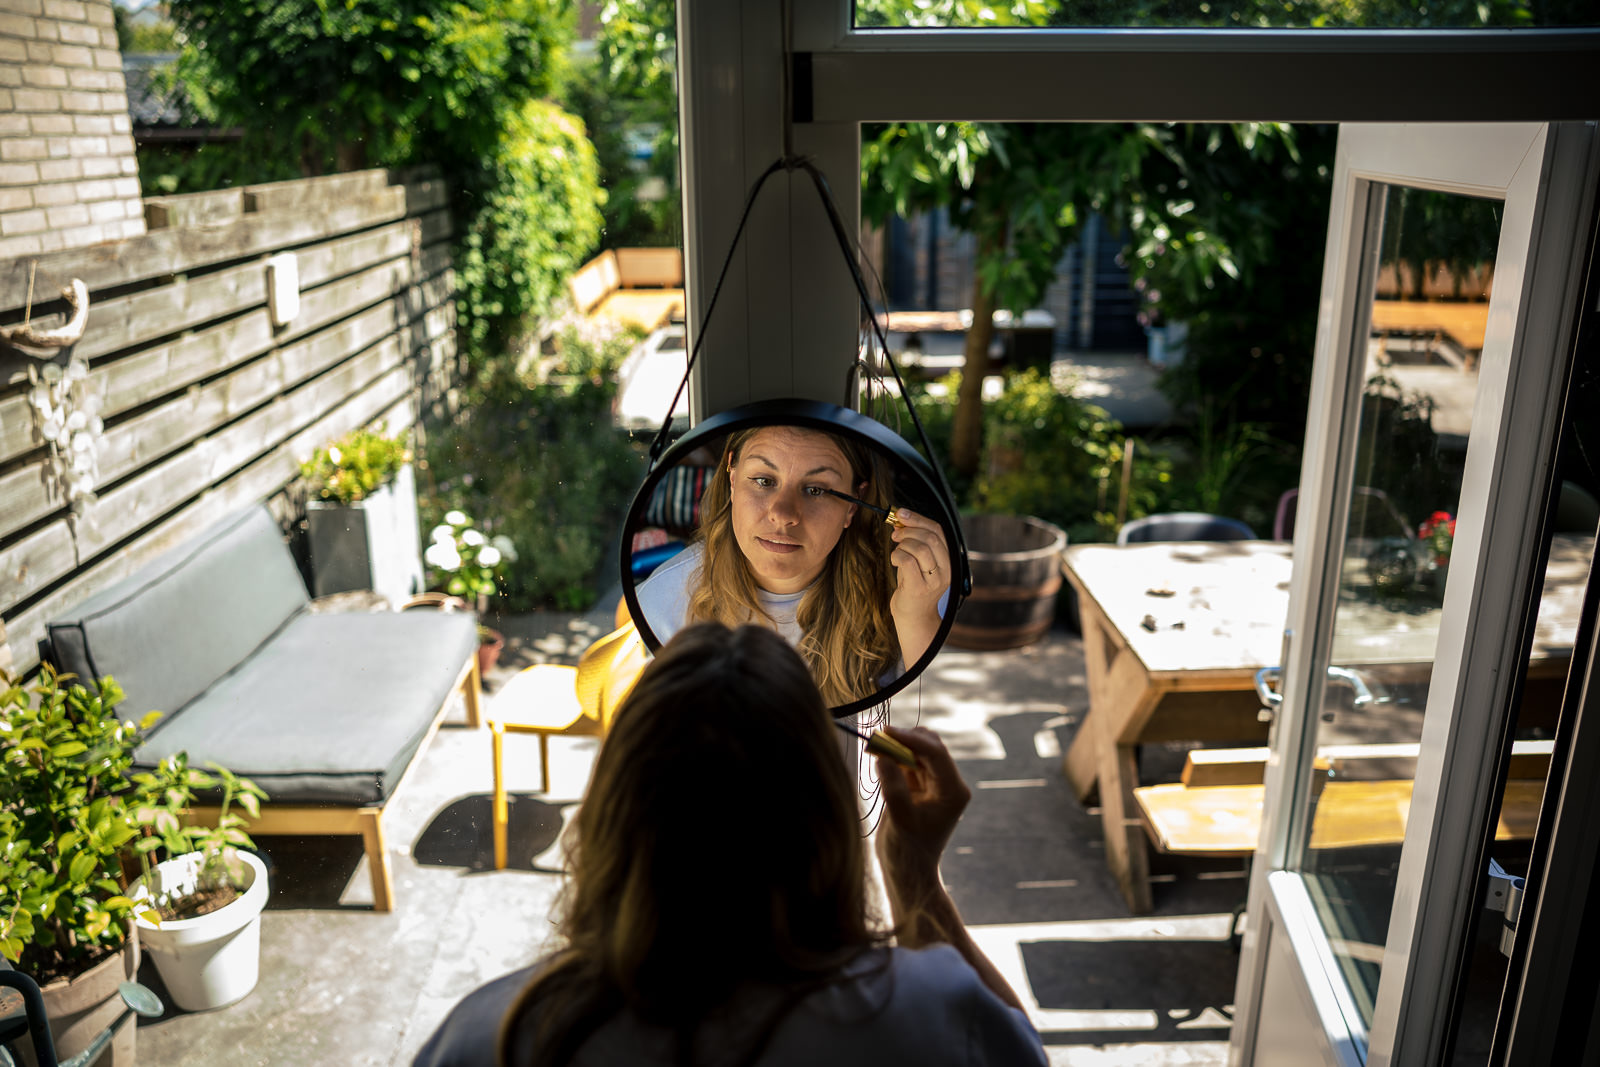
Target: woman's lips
[(781, 547)]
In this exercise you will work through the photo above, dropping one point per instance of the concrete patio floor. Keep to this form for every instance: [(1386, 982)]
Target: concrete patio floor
[(342, 984)]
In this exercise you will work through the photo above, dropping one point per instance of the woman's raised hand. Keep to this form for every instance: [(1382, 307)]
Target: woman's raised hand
[(922, 806), (921, 558)]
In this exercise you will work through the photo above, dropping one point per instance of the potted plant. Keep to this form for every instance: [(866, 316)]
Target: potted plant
[(464, 563), (199, 910), (361, 516), (68, 815)]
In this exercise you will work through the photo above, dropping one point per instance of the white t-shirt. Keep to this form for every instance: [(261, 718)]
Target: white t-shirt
[(664, 598)]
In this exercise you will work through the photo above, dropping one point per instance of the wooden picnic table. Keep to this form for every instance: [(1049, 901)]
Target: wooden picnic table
[(1197, 682)]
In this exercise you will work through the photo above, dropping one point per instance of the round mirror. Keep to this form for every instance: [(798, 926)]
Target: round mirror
[(811, 518)]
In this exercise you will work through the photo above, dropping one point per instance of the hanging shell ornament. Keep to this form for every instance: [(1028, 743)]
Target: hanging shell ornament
[(26, 334)]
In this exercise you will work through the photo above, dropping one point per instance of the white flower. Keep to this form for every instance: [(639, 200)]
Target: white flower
[(471, 537), (335, 456), (505, 547), (443, 556), (443, 535), (490, 556), (456, 518)]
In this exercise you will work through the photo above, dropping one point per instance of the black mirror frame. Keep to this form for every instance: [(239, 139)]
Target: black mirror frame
[(829, 418)]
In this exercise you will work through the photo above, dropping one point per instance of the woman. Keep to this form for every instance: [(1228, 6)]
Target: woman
[(777, 546), (716, 905)]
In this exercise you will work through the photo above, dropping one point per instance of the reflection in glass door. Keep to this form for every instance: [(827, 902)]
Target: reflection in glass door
[(1428, 308)]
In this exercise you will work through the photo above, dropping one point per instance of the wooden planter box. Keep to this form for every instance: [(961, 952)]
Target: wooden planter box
[(372, 544)]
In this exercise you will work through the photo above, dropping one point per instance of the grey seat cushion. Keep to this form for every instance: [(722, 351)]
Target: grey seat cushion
[(169, 631), (330, 711)]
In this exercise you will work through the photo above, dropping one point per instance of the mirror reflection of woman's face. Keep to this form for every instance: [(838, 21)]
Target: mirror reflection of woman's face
[(782, 520)]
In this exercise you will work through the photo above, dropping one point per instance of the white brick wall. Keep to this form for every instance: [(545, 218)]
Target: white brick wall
[(67, 165)]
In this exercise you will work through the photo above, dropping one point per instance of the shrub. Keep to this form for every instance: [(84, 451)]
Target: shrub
[(353, 467), (533, 217), (1051, 455), (463, 562), (68, 815), (538, 459)]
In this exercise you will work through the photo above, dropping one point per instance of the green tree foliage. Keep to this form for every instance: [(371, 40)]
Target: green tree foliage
[(465, 84), (374, 83), (1021, 190), (628, 98), (535, 199), (142, 35)]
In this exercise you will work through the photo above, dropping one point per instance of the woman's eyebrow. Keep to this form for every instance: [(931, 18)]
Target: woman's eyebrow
[(814, 470)]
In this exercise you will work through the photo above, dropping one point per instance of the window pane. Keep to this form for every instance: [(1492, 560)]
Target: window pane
[(1428, 315)]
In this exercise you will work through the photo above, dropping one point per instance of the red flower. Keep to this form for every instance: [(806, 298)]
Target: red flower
[(1440, 533)]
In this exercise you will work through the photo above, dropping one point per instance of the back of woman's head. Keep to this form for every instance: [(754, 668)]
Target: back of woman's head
[(719, 840)]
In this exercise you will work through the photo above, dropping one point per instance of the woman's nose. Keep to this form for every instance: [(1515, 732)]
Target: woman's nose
[(785, 508)]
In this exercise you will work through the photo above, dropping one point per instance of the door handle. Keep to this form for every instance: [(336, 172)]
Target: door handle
[(1270, 698), (1367, 691)]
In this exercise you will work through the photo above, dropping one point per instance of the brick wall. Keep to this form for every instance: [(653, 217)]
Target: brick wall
[(68, 177)]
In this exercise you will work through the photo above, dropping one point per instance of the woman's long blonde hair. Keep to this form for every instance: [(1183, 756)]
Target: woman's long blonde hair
[(718, 845), (849, 640)]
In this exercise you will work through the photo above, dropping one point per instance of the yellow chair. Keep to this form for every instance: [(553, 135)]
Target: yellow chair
[(555, 699)]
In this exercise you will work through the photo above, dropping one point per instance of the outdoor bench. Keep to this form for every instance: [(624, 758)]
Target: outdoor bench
[(1362, 791), (325, 712), (641, 287)]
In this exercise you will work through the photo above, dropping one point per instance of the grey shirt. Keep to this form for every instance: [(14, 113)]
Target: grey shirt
[(925, 1006)]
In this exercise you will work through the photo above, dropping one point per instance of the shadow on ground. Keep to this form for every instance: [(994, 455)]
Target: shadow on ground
[(1181, 985), (462, 835)]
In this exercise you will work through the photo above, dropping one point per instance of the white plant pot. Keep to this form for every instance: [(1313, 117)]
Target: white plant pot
[(211, 960)]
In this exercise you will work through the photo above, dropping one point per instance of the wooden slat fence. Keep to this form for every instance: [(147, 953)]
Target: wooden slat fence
[(207, 406)]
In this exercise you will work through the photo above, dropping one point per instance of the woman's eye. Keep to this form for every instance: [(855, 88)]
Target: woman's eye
[(815, 490), (761, 481)]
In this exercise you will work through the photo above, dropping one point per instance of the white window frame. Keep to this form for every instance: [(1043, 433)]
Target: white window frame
[(786, 323)]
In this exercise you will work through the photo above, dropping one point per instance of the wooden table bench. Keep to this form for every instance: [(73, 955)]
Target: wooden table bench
[(1463, 324), (641, 287), (1196, 683), (1216, 809)]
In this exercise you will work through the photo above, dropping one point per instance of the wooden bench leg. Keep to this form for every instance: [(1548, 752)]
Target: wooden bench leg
[(472, 691), (500, 812), (377, 861)]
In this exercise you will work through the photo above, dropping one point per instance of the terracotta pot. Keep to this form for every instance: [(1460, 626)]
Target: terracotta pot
[(489, 648), (81, 1007)]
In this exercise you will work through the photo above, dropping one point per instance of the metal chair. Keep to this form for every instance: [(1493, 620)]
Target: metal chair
[(1372, 515), (1184, 526)]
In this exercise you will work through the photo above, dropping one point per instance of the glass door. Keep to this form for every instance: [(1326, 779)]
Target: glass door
[(1448, 275)]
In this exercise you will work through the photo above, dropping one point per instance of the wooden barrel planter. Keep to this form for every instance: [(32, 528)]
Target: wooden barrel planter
[(1016, 573)]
